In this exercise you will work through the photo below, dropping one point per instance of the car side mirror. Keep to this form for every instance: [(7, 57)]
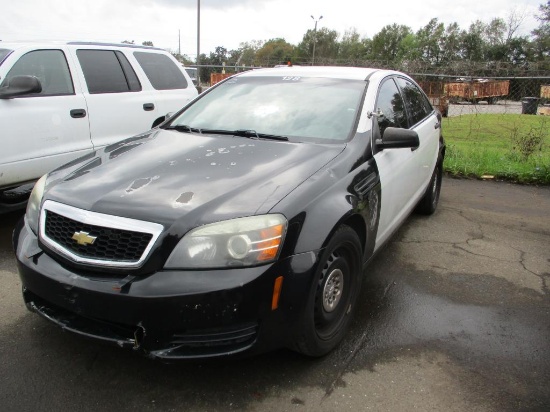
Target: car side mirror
[(397, 138), (20, 86)]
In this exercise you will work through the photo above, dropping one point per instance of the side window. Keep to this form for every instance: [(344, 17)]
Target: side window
[(418, 105), (161, 71), (49, 66), (391, 105), (107, 71)]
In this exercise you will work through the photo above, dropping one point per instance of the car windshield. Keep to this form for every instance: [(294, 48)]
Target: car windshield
[(3, 54), (304, 109)]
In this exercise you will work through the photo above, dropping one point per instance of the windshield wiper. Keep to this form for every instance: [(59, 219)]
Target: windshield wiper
[(251, 134), (184, 128)]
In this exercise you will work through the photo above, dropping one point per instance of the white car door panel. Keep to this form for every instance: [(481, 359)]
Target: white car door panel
[(404, 173)]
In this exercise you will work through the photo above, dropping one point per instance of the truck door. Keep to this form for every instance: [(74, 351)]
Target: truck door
[(119, 104), (42, 131)]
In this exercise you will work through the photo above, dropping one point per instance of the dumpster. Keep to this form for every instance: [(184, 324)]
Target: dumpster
[(529, 105)]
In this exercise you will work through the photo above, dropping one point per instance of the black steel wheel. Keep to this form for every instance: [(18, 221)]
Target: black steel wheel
[(333, 295)]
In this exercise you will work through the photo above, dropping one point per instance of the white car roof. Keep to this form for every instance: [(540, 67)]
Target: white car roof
[(353, 73)]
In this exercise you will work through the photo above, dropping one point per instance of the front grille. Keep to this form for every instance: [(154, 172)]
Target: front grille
[(110, 244), (96, 238)]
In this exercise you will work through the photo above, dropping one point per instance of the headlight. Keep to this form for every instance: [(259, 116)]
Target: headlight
[(33, 206), (246, 241)]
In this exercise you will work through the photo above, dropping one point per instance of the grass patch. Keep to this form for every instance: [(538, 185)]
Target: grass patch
[(511, 147)]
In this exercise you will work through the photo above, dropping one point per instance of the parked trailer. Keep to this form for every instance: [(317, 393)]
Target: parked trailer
[(218, 77), (478, 90), (437, 94)]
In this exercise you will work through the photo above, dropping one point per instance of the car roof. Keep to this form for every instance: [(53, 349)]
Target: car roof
[(13, 45), (352, 73)]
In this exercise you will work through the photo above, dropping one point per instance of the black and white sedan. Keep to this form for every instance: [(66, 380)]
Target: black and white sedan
[(242, 224)]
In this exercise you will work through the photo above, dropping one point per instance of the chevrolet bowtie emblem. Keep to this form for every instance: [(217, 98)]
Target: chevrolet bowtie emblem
[(84, 238)]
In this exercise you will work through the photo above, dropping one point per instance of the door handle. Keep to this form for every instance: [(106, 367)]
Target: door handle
[(78, 113), (148, 107)]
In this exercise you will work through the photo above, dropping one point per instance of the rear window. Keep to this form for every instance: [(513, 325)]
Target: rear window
[(107, 71), (161, 71), (3, 54)]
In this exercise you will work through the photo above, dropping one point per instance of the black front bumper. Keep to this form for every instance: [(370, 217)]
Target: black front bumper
[(168, 314)]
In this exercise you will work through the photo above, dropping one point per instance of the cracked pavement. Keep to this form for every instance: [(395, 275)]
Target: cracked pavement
[(453, 316)]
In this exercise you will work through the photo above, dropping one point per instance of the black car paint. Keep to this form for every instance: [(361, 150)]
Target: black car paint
[(317, 187)]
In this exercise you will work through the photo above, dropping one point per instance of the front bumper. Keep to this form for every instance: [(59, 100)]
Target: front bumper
[(168, 314)]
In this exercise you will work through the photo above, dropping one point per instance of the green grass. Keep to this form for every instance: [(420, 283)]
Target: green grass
[(512, 147)]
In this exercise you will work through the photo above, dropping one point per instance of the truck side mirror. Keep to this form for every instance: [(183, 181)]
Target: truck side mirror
[(20, 86)]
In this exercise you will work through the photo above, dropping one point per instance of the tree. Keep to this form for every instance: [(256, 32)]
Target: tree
[(148, 43), (542, 33), (496, 48), (387, 44), (275, 51), (246, 53), (429, 39), (326, 44), (451, 43), (352, 47), (127, 41), (472, 42), (219, 56)]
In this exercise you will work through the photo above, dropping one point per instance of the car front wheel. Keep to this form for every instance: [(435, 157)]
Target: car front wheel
[(333, 295)]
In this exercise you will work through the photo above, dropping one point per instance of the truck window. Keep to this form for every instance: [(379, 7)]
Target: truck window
[(107, 71), (49, 66), (161, 71)]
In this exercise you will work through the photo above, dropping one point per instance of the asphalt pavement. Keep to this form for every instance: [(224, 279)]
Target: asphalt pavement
[(453, 316)]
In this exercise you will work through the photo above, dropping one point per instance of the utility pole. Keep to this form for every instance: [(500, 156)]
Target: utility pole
[(179, 42), (198, 41), (314, 38)]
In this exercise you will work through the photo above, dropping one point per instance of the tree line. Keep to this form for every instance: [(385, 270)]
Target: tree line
[(435, 45)]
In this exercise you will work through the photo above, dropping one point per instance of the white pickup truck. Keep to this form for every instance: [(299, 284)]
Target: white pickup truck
[(63, 100)]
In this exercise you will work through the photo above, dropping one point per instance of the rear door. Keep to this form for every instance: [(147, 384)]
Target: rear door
[(42, 131), (120, 104), (166, 75)]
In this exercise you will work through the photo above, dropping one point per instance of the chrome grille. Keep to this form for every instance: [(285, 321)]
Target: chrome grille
[(109, 240), (109, 244)]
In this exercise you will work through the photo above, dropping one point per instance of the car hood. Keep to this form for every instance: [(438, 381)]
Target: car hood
[(167, 176)]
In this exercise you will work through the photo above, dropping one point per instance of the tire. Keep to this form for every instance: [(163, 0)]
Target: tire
[(428, 203), (332, 297)]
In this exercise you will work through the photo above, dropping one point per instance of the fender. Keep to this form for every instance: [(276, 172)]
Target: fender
[(353, 198)]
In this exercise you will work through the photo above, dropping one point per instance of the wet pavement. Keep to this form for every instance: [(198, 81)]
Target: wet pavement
[(454, 315)]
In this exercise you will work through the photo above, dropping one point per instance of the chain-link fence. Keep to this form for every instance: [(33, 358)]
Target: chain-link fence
[(458, 88), (464, 94)]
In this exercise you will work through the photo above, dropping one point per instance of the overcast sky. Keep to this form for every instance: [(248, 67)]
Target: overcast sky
[(227, 23)]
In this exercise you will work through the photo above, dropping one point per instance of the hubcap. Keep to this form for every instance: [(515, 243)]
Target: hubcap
[(332, 291)]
